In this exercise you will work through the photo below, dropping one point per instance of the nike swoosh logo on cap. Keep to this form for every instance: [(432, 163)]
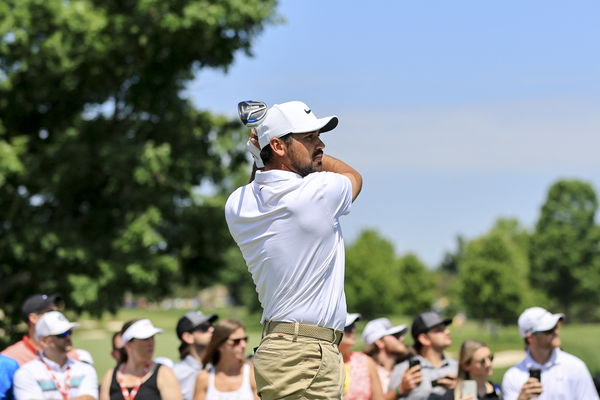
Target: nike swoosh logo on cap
[(307, 111)]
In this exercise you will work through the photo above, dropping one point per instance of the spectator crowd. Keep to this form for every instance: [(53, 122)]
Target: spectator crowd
[(213, 363)]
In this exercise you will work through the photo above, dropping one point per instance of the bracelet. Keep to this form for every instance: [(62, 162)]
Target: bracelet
[(398, 394)]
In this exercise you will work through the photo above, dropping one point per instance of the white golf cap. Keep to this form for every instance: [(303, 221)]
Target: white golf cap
[(142, 329), (380, 327), (291, 117), (537, 319), (351, 318), (53, 323)]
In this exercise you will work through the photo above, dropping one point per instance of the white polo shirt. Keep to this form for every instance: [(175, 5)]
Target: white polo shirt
[(564, 377), (34, 381), (288, 230)]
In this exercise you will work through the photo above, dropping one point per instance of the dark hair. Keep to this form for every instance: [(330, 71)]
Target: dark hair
[(266, 154), (122, 350), (220, 335)]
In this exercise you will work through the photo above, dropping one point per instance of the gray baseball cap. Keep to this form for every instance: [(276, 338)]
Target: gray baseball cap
[(192, 320), (425, 321)]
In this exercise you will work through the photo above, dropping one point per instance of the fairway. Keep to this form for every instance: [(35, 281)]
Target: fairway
[(94, 336)]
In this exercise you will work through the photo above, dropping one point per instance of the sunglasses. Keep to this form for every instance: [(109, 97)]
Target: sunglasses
[(350, 328), (204, 327), (482, 361), (548, 332), (237, 341), (64, 334)]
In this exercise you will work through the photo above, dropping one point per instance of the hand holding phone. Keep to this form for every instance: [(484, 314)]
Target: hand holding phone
[(468, 388)]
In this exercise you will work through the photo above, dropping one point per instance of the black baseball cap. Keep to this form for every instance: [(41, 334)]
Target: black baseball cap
[(39, 303), (425, 321), (192, 320)]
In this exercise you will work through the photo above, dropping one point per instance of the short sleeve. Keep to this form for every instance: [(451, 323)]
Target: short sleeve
[(89, 384), (334, 190), (26, 386)]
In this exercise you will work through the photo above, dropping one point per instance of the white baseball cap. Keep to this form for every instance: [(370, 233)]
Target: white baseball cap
[(537, 319), (351, 318), (53, 323), (380, 327), (291, 117), (142, 329)]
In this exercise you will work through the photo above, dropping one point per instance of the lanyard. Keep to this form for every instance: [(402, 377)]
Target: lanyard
[(64, 392), (127, 395)]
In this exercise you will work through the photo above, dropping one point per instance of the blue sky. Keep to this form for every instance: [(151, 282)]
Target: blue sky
[(456, 113)]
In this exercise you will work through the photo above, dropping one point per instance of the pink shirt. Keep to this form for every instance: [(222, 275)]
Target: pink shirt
[(359, 381)]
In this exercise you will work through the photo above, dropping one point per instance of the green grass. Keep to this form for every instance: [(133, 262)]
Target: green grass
[(94, 336)]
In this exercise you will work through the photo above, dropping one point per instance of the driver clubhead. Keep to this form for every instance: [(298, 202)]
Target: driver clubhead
[(252, 112)]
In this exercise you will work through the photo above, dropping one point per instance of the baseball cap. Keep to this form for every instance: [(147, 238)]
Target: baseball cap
[(142, 329), (537, 319), (425, 321), (379, 328), (53, 323), (351, 318), (291, 117), (192, 320), (38, 303)]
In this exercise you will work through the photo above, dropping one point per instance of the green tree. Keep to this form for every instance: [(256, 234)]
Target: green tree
[(493, 273), (417, 285), (372, 281), (100, 152), (564, 248)]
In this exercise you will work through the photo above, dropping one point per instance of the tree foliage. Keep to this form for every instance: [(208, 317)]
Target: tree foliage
[(379, 283), (565, 247), (417, 290), (493, 273), (100, 153), (372, 280)]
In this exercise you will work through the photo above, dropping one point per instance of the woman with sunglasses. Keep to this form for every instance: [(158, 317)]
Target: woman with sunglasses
[(475, 363), (361, 378), (136, 375), (229, 376)]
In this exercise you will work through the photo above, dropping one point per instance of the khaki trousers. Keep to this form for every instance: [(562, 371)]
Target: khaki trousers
[(300, 368)]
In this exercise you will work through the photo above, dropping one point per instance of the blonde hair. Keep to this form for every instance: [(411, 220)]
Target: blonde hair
[(467, 349)]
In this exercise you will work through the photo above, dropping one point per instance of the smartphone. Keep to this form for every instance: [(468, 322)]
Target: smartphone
[(468, 388), (535, 373), (412, 362)]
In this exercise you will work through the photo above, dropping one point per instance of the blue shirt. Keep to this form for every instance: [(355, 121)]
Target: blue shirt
[(8, 367)]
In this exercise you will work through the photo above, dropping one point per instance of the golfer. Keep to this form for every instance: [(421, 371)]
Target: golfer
[(286, 223)]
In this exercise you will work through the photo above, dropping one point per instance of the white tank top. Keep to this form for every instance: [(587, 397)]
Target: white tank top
[(244, 392)]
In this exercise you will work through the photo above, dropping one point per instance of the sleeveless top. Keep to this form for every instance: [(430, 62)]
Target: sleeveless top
[(244, 392), (357, 378), (147, 391)]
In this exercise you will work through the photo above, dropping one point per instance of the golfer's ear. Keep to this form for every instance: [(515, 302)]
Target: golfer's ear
[(277, 146)]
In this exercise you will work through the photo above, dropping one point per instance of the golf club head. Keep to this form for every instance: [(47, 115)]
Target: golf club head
[(252, 112)]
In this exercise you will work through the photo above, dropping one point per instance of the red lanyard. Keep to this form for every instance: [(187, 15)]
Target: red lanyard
[(127, 395), (63, 392)]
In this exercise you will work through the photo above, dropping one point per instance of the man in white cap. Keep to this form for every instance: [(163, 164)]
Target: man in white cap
[(194, 331), (385, 345), (563, 376), (53, 375), (286, 224)]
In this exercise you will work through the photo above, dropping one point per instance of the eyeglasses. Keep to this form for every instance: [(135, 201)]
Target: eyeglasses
[(482, 361), (204, 327), (64, 334), (237, 341)]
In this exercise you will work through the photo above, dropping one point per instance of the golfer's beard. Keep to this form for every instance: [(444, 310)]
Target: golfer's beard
[(304, 170)]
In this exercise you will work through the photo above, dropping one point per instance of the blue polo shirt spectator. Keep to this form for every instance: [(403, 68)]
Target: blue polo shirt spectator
[(8, 367)]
